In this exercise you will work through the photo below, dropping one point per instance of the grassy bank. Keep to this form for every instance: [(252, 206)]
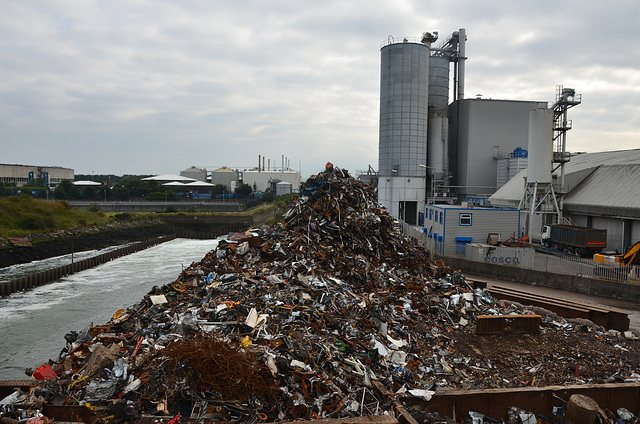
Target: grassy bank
[(21, 215), (24, 215)]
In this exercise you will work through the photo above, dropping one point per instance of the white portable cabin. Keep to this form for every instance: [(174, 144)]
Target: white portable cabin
[(452, 227)]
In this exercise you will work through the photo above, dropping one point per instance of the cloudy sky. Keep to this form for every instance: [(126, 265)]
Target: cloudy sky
[(151, 87)]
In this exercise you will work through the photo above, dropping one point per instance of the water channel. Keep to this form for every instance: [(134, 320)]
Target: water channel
[(33, 323)]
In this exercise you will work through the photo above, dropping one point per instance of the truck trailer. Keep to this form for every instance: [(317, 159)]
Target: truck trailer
[(574, 240)]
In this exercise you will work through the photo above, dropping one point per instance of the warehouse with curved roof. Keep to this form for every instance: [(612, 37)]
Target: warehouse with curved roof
[(602, 191)]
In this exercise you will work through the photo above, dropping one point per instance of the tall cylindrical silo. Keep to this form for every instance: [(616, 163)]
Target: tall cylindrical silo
[(540, 146), (404, 106), (439, 75), (439, 82)]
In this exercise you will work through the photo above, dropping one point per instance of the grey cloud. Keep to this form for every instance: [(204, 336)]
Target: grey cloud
[(155, 87)]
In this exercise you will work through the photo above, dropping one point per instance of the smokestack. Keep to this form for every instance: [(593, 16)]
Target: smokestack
[(259, 158), (462, 39)]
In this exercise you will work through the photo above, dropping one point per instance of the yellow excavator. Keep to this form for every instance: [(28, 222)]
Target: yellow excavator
[(616, 267), (631, 257)]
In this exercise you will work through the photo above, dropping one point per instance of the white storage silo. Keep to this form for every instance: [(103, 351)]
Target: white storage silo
[(540, 146), (538, 197), (283, 188)]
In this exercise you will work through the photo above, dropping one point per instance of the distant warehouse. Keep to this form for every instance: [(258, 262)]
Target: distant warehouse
[(261, 181), (22, 174)]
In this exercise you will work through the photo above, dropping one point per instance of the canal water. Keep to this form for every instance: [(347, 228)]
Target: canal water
[(33, 323)]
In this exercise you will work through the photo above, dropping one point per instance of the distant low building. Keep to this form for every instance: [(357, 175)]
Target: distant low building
[(169, 178), (260, 181), (22, 174)]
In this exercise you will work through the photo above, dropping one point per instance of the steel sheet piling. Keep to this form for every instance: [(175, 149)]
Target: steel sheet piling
[(47, 276)]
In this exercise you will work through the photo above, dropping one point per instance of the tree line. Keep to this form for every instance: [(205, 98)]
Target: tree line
[(114, 188)]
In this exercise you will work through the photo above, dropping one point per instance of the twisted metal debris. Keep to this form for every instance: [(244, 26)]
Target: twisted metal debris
[(329, 315)]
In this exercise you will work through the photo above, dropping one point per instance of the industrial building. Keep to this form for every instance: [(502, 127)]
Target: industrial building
[(261, 181), (279, 182), (475, 150), (482, 131), (22, 174), (602, 191), (432, 151)]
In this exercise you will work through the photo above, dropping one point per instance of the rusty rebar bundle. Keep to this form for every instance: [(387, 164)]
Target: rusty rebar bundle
[(221, 367)]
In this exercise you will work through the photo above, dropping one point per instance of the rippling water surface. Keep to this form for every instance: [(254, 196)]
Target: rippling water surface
[(33, 323)]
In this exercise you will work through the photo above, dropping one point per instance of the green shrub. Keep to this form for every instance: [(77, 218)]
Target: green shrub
[(94, 208), (124, 216), (36, 222)]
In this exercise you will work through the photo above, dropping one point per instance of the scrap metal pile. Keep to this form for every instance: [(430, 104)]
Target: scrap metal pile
[(331, 314)]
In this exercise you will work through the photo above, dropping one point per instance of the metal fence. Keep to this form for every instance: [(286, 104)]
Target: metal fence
[(586, 268), (566, 265)]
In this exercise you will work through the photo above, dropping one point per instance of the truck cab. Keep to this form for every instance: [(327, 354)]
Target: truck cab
[(545, 236)]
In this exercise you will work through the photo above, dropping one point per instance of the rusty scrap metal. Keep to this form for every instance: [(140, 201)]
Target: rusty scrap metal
[(331, 315), (218, 367)]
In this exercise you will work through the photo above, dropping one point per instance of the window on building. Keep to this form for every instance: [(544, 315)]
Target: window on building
[(465, 219)]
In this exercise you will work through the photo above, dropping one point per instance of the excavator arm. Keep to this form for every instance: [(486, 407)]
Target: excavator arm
[(632, 256)]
